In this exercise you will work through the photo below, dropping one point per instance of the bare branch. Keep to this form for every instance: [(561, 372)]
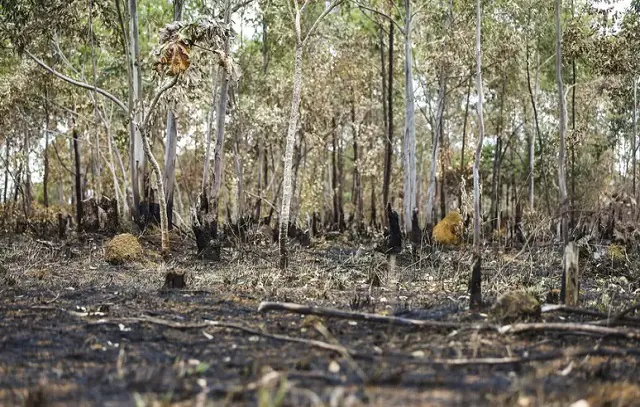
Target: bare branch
[(266, 306), (72, 81), (382, 14), (333, 5), (156, 98), (571, 328), (241, 5)]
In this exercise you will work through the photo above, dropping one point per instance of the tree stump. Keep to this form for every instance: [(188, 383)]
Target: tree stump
[(110, 220), (205, 227), (571, 274), (174, 281), (90, 221), (394, 244), (62, 225), (475, 287), (416, 232)]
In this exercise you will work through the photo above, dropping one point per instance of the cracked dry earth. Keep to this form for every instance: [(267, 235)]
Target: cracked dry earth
[(78, 331)]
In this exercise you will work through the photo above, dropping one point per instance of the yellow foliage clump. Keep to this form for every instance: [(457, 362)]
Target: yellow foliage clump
[(616, 252), (449, 230), (122, 248)]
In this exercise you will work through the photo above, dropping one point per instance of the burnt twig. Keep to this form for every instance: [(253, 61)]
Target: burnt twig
[(266, 306)]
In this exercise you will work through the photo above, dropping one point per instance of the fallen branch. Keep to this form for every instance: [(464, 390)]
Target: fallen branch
[(543, 357), (207, 324), (607, 319), (570, 328), (266, 306), (623, 314), (388, 358)]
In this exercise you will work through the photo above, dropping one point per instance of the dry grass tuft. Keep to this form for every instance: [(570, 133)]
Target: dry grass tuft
[(449, 230), (515, 306), (122, 248), (614, 394)]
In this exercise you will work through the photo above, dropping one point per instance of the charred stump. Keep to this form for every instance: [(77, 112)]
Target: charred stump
[(62, 226), (148, 214), (174, 280), (205, 226), (475, 284), (519, 237), (394, 243), (111, 220), (90, 221), (416, 232)]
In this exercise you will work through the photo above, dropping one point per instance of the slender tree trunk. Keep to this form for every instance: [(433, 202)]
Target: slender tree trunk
[(159, 185), (444, 141), (239, 178), (171, 138), (497, 160), (136, 153), (170, 161), (438, 137), (334, 174), (533, 96), (78, 181), (531, 150), (635, 133), (118, 193), (389, 139), (290, 141), (409, 126), (341, 222), (357, 195), (221, 115), (476, 273), (464, 141), (7, 149), (215, 73), (96, 146), (562, 178), (291, 131), (573, 131), (262, 162), (27, 179), (45, 176)]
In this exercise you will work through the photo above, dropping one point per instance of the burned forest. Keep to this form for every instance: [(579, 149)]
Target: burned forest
[(319, 203)]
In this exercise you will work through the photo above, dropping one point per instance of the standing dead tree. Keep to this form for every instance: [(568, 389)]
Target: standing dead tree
[(476, 272)]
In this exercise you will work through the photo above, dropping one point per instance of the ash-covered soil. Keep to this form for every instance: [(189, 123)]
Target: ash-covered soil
[(75, 330)]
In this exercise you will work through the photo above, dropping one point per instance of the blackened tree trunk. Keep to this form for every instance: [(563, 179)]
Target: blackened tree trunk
[(497, 162), (7, 149), (78, 180), (334, 174), (476, 271), (635, 133), (357, 195), (389, 139), (27, 176)]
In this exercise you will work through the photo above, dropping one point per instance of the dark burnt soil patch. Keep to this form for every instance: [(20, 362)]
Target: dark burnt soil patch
[(69, 333)]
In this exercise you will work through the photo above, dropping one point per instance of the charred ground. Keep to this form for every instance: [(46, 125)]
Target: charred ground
[(75, 329)]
